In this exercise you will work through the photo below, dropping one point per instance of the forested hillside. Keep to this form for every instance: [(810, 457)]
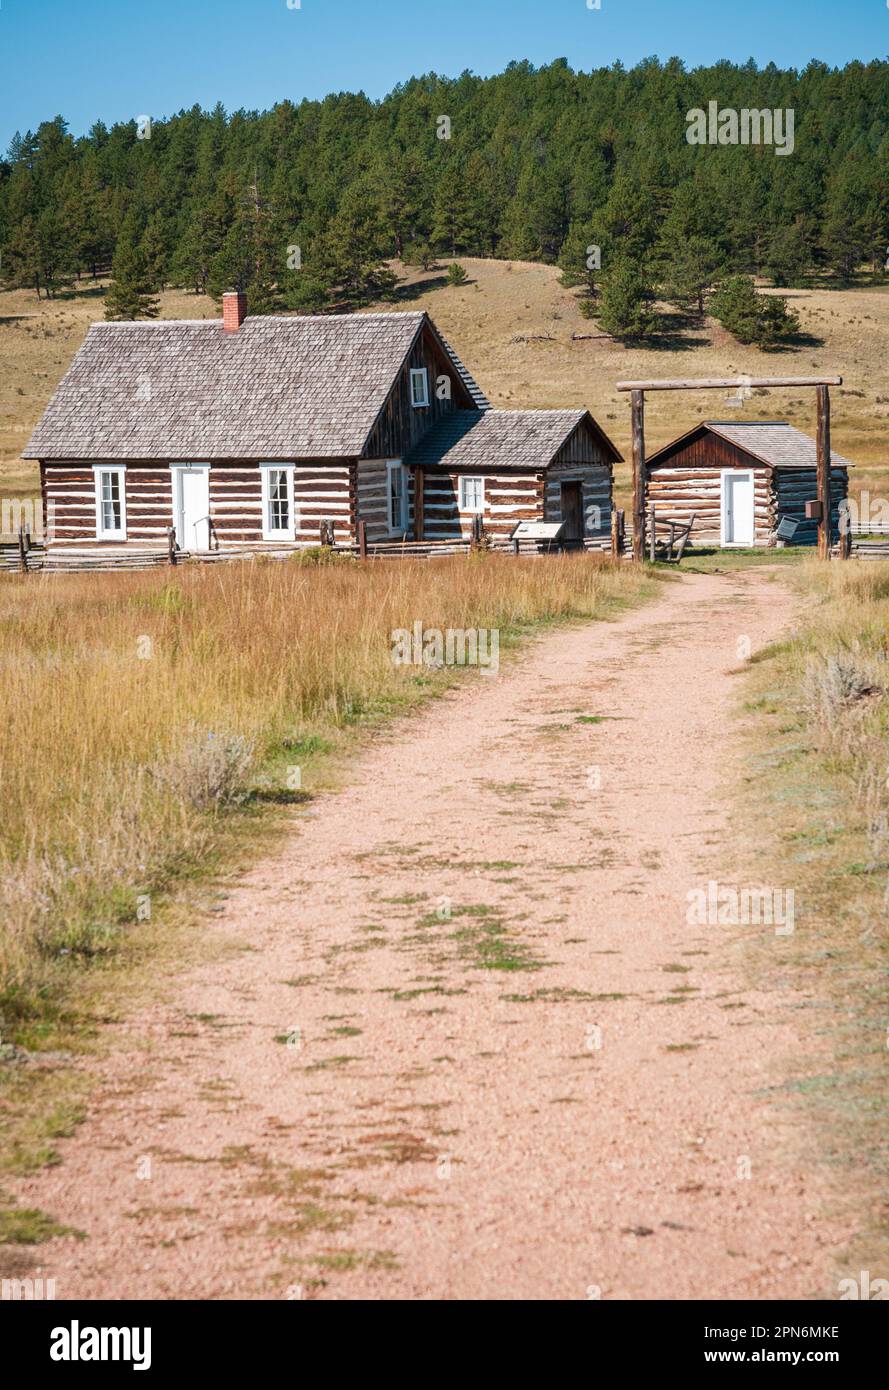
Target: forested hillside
[(302, 205)]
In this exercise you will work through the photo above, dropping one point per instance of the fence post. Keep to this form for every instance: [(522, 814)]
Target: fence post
[(637, 401), (362, 540), (615, 534), (651, 537), (845, 542), (23, 554), (171, 544), (823, 471)]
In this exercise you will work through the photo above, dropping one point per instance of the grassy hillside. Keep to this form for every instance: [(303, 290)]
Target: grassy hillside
[(513, 325)]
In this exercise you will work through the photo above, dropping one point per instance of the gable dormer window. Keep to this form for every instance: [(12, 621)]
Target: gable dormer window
[(419, 387)]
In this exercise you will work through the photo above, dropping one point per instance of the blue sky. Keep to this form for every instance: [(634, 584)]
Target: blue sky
[(115, 59)]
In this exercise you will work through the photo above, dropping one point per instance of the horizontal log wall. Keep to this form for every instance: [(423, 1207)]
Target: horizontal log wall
[(509, 499), (236, 503), (596, 486), (70, 499), (794, 487), (321, 491), (677, 493)]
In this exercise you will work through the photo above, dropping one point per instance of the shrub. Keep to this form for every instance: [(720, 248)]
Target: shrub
[(457, 274), (208, 770), (833, 683)]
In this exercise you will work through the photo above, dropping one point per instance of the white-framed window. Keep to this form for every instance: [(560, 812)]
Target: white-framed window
[(111, 503), (472, 494), (396, 497), (278, 513), (419, 386)]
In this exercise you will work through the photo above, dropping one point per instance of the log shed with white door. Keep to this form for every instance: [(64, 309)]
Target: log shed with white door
[(741, 480)]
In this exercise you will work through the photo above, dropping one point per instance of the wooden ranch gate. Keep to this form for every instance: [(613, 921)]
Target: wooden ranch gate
[(821, 384)]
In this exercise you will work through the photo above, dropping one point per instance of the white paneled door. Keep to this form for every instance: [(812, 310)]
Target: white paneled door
[(737, 508), (191, 507)]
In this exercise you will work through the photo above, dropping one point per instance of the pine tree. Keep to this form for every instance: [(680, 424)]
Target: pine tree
[(763, 320), (354, 248), (625, 307), (154, 248), (206, 225), (452, 227), (690, 271), (842, 237), (132, 293), (253, 255), (399, 194), (580, 259), (21, 262), (788, 256), (56, 251), (626, 226)]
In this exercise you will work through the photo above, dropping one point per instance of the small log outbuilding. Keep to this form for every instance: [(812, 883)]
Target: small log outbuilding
[(255, 433), (740, 480), (518, 465)]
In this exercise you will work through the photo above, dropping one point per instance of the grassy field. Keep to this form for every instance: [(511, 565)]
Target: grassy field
[(513, 324), (816, 817)]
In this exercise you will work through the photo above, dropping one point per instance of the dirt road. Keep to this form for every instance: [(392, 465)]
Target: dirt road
[(470, 1046)]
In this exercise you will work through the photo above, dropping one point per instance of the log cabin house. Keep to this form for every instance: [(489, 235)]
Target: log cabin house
[(247, 434), (741, 480)]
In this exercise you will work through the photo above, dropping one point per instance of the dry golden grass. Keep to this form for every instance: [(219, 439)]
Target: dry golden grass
[(849, 332), (140, 707), (817, 816)]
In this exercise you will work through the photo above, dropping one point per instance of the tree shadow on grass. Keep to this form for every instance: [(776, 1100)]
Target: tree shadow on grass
[(403, 294), (93, 292), (802, 340)]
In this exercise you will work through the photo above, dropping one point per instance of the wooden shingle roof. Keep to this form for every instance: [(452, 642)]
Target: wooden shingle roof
[(278, 388), (501, 438), (772, 442)]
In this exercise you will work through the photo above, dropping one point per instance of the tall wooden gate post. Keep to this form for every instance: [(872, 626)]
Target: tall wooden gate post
[(637, 401), (822, 472)]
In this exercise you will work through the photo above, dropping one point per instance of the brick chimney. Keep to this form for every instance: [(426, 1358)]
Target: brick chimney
[(234, 310)]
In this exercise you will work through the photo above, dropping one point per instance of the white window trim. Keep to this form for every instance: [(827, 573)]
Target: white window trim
[(101, 533), (473, 511), (423, 374), (735, 473), (287, 533), (396, 527)]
